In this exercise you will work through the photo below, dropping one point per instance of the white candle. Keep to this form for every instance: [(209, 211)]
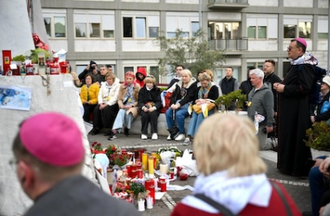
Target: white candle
[(163, 169)]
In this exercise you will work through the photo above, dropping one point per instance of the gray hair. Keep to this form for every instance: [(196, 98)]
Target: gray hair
[(259, 73)]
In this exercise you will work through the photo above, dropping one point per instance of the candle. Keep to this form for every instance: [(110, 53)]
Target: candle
[(151, 165), (145, 161), (155, 155), (163, 169)]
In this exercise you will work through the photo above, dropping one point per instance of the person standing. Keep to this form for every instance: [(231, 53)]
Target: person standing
[(49, 166), (246, 87), (228, 83), (260, 101), (271, 78), (293, 110)]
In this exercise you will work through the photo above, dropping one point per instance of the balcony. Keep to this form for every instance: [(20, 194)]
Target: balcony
[(229, 45), (230, 4)]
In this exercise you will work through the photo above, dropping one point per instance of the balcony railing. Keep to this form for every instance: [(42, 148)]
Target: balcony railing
[(229, 45), (213, 4)]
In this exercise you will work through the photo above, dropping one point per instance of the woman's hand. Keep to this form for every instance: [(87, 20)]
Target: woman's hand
[(175, 106)]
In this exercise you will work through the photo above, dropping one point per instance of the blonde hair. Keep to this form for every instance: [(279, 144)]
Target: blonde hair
[(203, 77), (150, 79), (209, 72), (110, 75), (228, 142), (186, 72)]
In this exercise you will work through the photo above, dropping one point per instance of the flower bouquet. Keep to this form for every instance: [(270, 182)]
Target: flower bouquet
[(111, 149), (97, 148), (118, 159)]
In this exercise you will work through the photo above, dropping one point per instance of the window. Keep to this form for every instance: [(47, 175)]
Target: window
[(194, 27), (80, 30), (262, 26), (154, 70), (223, 30), (322, 27), (128, 69), (186, 22), (140, 27), (128, 27), (294, 26), (55, 23), (90, 24)]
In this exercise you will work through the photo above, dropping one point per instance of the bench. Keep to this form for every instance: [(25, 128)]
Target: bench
[(162, 125)]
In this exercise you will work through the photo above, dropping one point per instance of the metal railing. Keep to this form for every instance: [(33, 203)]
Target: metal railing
[(230, 44), (229, 1)]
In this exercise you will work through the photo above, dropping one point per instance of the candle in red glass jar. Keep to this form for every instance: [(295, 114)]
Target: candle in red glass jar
[(129, 170), (162, 186), (138, 165), (141, 153), (140, 173)]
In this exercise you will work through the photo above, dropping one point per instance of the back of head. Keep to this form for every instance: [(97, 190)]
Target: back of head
[(50, 139), (228, 142)]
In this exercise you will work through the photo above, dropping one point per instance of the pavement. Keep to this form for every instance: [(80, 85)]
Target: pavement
[(298, 188)]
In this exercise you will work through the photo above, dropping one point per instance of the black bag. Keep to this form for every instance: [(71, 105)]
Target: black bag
[(174, 132)]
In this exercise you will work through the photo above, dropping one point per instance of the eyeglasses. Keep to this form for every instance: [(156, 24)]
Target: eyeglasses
[(289, 48)]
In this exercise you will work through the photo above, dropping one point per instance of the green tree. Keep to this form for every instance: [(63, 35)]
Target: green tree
[(194, 52)]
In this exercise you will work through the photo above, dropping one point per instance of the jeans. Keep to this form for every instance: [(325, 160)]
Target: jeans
[(123, 120), (316, 188), (180, 115), (195, 121)]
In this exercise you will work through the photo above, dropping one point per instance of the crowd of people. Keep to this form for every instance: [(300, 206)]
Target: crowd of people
[(232, 174)]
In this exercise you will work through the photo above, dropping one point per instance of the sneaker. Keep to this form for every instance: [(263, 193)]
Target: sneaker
[(186, 141), (108, 133), (180, 137), (169, 138), (112, 137), (154, 136), (144, 137)]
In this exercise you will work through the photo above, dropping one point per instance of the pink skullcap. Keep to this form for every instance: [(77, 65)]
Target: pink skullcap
[(53, 138), (302, 41)]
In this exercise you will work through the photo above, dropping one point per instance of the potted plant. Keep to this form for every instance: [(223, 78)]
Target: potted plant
[(235, 98), (318, 138)]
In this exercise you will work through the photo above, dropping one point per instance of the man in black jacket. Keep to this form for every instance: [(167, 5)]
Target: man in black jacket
[(271, 78), (246, 86), (92, 69)]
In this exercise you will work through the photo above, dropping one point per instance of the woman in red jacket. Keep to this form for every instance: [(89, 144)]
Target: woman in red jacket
[(232, 173)]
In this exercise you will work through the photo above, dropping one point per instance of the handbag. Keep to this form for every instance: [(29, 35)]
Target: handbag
[(198, 108), (226, 212)]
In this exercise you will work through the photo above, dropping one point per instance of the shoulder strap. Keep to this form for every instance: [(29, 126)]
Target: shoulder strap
[(223, 210), (284, 200)]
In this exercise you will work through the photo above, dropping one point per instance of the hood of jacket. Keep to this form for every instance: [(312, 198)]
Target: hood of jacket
[(192, 80)]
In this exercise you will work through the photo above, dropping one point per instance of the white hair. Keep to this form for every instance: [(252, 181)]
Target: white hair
[(259, 73)]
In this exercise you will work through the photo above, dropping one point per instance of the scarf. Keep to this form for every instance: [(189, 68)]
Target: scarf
[(203, 93), (306, 58), (234, 193), (128, 99)]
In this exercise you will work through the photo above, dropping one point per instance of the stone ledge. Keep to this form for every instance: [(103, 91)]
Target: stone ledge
[(162, 125)]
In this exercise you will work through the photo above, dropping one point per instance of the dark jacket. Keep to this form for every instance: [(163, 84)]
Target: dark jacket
[(174, 80), (213, 93), (146, 96), (323, 116), (189, 91), (228, 85), (77, 195), (246, 87), (269, 81)]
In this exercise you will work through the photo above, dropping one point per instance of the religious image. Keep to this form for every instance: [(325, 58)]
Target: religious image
[(15, 98)]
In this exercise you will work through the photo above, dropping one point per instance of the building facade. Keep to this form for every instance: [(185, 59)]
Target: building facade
[(122, 33)]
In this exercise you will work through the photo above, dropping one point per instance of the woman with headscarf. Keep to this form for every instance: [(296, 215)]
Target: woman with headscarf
[(232, 174), (127, 102)]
